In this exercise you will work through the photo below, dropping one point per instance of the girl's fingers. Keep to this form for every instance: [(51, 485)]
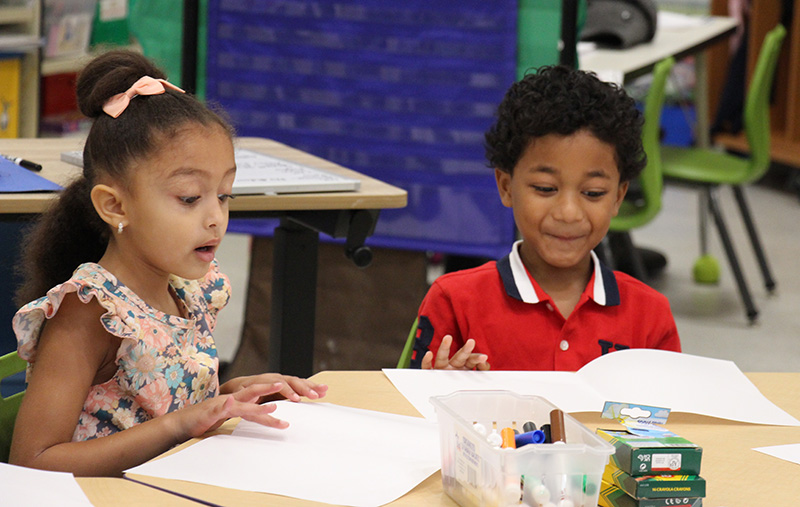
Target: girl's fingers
[(256, 391)]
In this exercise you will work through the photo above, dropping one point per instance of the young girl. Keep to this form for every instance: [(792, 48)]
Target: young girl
[(122, 362)]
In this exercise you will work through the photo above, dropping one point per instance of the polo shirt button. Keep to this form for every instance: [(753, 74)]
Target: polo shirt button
[(549, 307), (564, 345)]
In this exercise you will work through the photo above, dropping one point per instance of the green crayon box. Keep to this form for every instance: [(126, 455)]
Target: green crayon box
[(656, 486), (653, 455), (612, 496)]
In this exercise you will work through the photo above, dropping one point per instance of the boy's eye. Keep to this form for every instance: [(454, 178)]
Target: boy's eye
[(225, 197), (544, 189), (189, 199), (595, 194)]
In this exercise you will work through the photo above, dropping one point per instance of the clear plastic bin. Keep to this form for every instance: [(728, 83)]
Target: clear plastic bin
[(474, 473)]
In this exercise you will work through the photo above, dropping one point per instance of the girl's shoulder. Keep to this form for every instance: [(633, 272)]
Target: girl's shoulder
[(89, 281)]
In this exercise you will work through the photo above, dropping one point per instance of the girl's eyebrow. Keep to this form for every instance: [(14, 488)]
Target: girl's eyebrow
[(193, 171)]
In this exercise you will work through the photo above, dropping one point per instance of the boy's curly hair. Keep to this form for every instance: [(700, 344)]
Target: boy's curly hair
[(558, 100)]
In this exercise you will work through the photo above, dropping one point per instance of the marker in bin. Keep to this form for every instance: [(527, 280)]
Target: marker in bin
[(558, 432)]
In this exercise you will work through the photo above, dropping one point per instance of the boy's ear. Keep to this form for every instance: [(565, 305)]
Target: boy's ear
[(503, 186), (108, 203), (622, 189)]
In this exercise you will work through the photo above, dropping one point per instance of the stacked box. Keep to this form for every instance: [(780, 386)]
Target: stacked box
[(656, 486), (612, 496), (651, 471), (650, 455)]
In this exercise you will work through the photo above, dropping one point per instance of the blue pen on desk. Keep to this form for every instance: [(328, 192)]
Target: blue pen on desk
[(27, 164)]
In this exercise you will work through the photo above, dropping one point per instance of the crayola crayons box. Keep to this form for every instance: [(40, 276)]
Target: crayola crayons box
[(612, 496), (653, 455), (476, 471), (656, 486)]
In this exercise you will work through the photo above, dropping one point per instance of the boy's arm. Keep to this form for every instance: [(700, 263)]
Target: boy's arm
[(665, 336), (438, 331)]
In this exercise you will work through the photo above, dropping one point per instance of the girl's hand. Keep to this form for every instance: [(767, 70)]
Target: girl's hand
[(195, 420), (463, 359), (293, 387)]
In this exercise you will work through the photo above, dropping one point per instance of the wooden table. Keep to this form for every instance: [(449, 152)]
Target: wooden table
[(735, 474), (350, 215)]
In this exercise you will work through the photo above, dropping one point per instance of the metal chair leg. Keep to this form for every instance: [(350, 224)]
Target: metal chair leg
[(639, 271), (769, 282), (604, 252), (716, 212), (703, 218)]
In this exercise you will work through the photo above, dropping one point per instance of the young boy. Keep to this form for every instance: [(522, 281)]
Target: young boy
[(564, 147)]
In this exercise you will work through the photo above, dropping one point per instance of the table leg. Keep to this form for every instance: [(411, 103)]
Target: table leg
[(294, 289)]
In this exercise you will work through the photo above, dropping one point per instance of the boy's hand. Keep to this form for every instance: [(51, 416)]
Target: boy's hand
[(463, 359)]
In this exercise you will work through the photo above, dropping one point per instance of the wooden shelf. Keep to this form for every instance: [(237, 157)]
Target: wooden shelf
[(70, 64), (17, 14), (782, 148), (26, 20), (785, 108)]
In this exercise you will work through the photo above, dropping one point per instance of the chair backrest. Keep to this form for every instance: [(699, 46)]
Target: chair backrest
[(756, 107), (652, 178), (10, 364), (408, 349)]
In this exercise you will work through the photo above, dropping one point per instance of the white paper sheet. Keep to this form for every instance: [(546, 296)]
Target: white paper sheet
[(329, 454), (680, 382), (23, 487), (788, 452)]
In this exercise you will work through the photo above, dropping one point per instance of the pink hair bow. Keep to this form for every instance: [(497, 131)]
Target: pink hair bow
[(146, 85)]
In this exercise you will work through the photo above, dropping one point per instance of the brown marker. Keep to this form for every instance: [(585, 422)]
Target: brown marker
[(558, 432)]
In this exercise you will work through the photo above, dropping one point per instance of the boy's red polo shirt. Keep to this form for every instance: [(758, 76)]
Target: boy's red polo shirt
[(516, 324)]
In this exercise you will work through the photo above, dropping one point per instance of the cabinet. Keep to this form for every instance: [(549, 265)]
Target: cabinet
[(785, 109), (20, 29)]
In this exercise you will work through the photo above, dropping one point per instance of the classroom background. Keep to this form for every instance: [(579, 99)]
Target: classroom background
[(418, 127)]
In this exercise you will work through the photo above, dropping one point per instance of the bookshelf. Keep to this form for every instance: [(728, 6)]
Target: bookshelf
[(22, 22)]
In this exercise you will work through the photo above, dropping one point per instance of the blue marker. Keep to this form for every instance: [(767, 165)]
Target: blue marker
[(530, 437)]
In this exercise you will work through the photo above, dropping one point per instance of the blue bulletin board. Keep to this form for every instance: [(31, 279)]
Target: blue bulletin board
[(401, 91)]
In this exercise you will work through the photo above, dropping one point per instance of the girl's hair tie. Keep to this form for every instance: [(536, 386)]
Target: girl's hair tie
[(146, 85)]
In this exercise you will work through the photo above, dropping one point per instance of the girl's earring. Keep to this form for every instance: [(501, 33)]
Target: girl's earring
[(119, 228)]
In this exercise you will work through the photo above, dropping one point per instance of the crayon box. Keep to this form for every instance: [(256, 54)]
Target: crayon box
[(651, 455), (477, 473), (656, 486), (612, 496)]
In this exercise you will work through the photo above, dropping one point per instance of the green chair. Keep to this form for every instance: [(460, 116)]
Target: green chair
[(408, 349), (10, 364), (711, 169), (633, 214)]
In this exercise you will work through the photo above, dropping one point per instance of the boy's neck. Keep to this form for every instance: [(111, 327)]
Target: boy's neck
[(562, 284)]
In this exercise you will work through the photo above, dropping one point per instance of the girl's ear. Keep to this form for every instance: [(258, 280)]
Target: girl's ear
[(108, 203), (503, 186)]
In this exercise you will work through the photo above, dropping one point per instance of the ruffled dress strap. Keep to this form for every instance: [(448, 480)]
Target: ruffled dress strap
[(89, 281)]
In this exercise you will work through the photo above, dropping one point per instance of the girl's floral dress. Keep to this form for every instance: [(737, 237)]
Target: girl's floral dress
[(164, 362)]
